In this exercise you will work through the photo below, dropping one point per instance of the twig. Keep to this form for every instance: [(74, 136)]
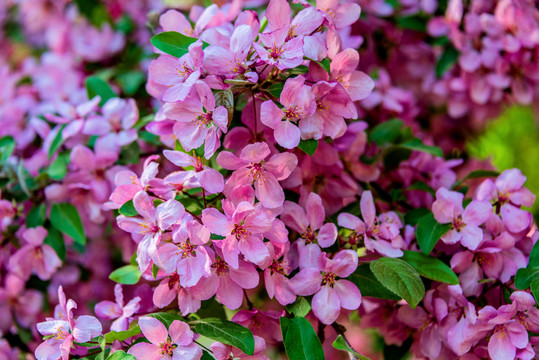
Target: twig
[(256, 118), (340, 330)]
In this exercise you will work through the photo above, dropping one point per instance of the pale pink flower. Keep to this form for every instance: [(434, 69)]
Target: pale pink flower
[(278, 51), (121, 313)]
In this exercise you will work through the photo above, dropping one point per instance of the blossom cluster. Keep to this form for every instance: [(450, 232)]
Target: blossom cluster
[(236, 202)]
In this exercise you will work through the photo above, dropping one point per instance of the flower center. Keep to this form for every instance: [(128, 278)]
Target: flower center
[(220, 267), (355, 238), (276, 51), (167, 348), (184, 70), (240, 232), (257, 170), (458, 224), (277, 267), (203, 119), (187, 249), (292, 113), (328, 279), (309, 235)]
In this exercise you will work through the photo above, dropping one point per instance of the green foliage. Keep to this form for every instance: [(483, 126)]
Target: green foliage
[(121, 355), (65, 218), (173, 43), (308, 146), (446, 61), (128, 209), (430, 267), (96, 86), (227, 332), (36, 216), (399, 277), (166, 318), (429, 231), (128, 274), (300, 339), (341, 344), (55, 240), (301, 307), (7, 145), (369, 285)]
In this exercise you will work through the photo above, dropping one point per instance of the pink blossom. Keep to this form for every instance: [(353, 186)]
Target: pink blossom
[(380, 235), (464, 222), (35, 257), (225, 352), (123, 313), (251, 167), (276, 271), (330, 294), (169, 289), (309, 222), (278, 51), (177, 342), (210, 179), (340, 14), (198, 122), (62, 330), (298, 104), (119, 117)]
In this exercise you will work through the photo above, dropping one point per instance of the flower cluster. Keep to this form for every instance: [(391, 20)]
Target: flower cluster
[(236, 202)]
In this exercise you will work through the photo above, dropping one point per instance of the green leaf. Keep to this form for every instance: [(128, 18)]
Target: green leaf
[(325, 64), (413, 22), (476, 174), (227, 332), (368, 285), (533, 260), (166, 318), (417, 144), (395, 156), (535, 289), (340, 344), (422, 186), (413, 216), (55, 240), (96, 86), (57, 141), (308, 146), (133, 330), (155, 271), (446, 61), (429, 231), (128, 209), (131, 81), (525, 276), (36, 216), (58, 169), (386, 132), (7, 146), (300, 339), (173, 43), (275, 89), (128, 274), (399, 277), (65, 218), (430, 267), (206, 356), (120, 355), (300, 307)]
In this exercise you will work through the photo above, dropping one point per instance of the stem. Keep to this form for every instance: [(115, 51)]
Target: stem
[(204, 198), (249, 303), (321, 334), (202, 346), (256, 118), (339, 329)]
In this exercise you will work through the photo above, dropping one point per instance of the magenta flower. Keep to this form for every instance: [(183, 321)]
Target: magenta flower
[(119, 117), (227, 283), (298, 104), (209, 179), (62, 330), (330, 294), (380, 235), (176, 343), (198, 122), (464, 222), (232, 62), (154, 222), (509, 194), (170, 289), (243, 226), (226, 352), (309, 222), (186, 255), (35, 256), (339, 14), (275, 276), (277, 50), (122, 313), (251, 167), (179, 75)]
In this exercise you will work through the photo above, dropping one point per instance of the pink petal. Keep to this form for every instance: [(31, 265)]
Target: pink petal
[(269, 191), (500, 347), (515, 219), (180, 333), (349, 294), (287, 134), (216, 222), (153, 330), (144, 350), (326, 305), (306, 282), (327, 235), (315, 211), (270, 114), (368, 210), (86, 327)]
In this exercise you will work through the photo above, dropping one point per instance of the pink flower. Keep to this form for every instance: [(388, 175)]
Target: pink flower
[(261, 323), (330, 294), (225, 352), (186, 254), (35, 257), (243, 226), (62, 330), (176, 343), (277, 50), (227, 283), (123, 313), (340, 14), (233, 62), (198, 122), (380, 235), (154, 222), (298, 104), (275, 276), (251, 167), (170, 289), (309, 223), (464, 222), (509, 194), (179, 75), (209, 179), (119, 117)]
